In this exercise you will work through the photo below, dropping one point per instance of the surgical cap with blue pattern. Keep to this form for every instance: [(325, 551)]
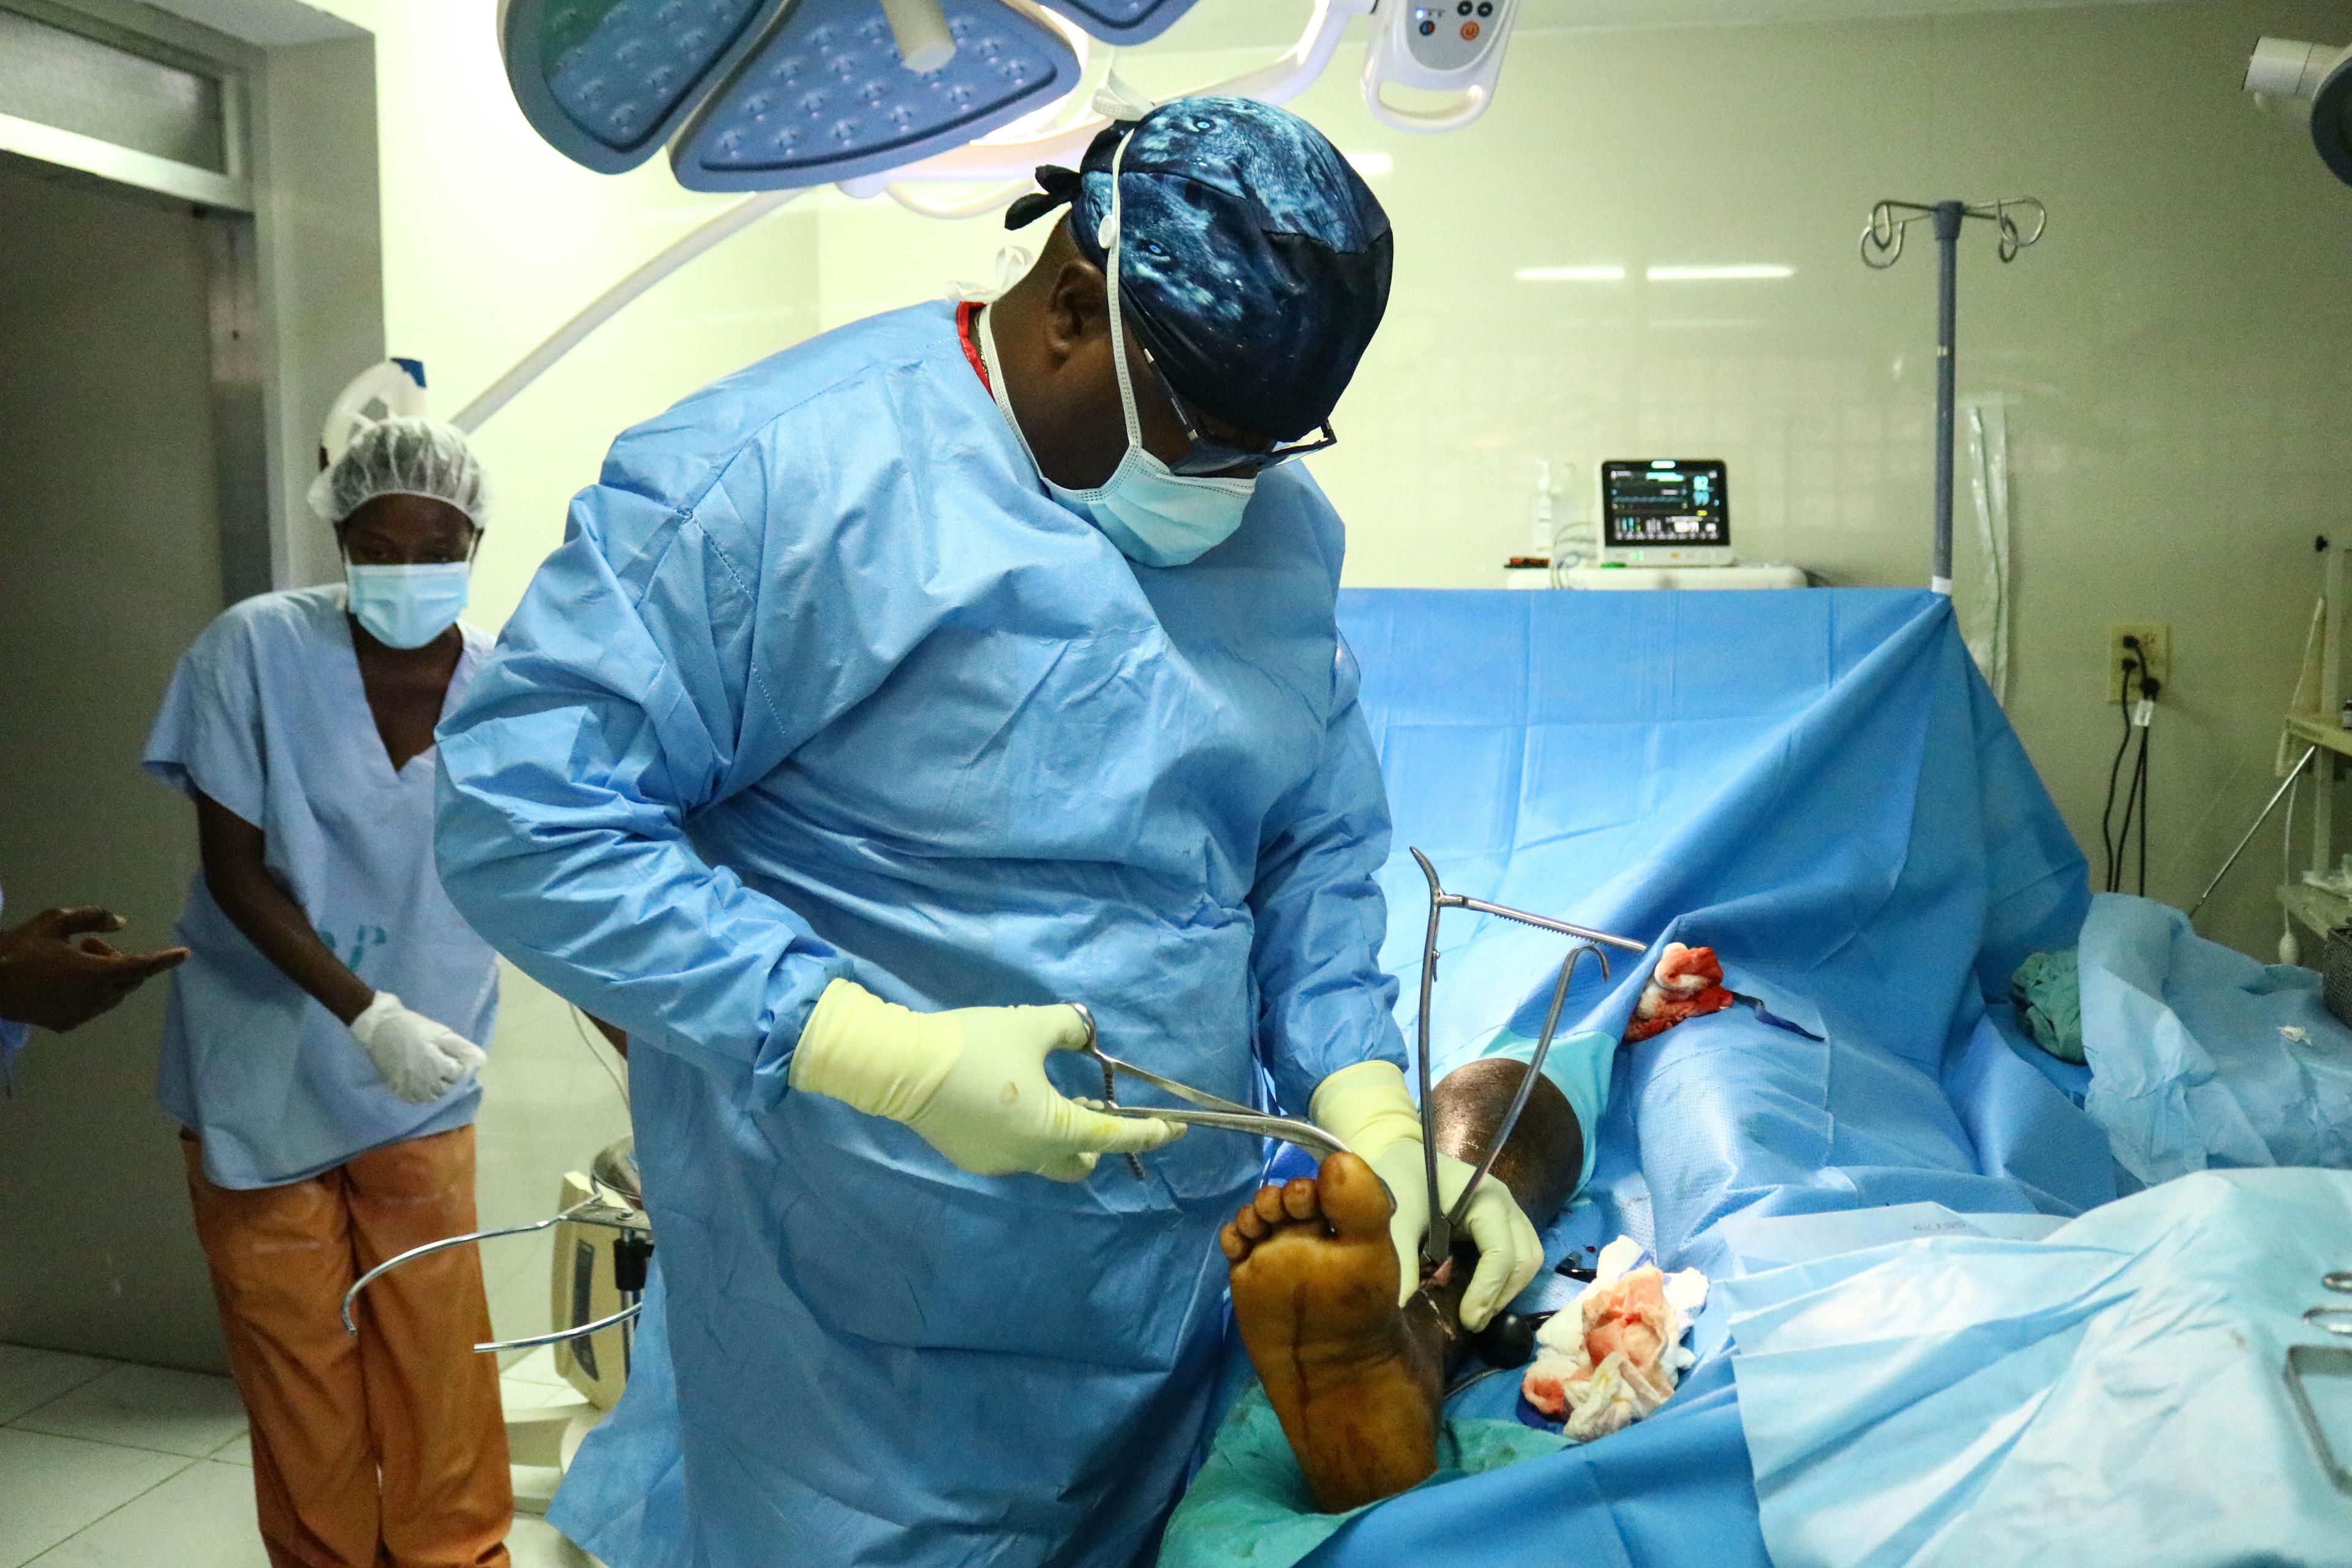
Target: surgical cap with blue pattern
[(1256, 261)]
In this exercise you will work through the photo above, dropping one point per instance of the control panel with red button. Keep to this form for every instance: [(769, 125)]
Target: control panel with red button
[(1451, 37), (1437, 44)]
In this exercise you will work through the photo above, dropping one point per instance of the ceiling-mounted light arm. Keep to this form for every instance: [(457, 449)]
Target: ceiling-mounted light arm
[(2316, 74), (921, 30), (1304, 61), (987, 202), (608, 304), (1436, 48)]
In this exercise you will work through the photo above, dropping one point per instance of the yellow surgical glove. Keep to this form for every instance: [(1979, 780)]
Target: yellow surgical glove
[(1370, 1107), (972, 1082)]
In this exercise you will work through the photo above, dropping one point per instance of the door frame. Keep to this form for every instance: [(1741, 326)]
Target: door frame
[(294, 253)]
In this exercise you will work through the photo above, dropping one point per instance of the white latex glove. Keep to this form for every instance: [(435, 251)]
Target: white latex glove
[(1370, 1107), (418, 1060), (970, 1081)]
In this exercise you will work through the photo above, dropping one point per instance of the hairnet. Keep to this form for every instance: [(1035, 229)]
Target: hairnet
[(1254, 263), (404, 455)]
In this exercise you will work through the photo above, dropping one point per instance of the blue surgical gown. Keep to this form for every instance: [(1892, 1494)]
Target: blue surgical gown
[(267, 715), (823, 683)]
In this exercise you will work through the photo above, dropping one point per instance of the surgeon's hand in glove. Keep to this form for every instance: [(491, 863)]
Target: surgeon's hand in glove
[(972, 1082), (418, 1060), (1370, 1107)]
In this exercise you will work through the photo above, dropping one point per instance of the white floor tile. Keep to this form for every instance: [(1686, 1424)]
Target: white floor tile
[(517, 1396), (535, 1543), (537, 1366), (55, 1486), (237, 1450), (30, 1378), (201, 1518), (153, 1408)]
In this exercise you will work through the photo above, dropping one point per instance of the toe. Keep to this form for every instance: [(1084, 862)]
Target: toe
[(1352, 1198), (1230, 1242), (1298, 1198), (1270, 1205), (1251, 1228)]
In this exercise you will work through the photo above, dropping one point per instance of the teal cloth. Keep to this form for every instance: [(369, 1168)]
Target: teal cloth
[(2048, 990), (1250, 1503)]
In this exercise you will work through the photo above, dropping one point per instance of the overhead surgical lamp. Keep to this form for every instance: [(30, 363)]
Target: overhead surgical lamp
[(777, 96), (2317, 74)]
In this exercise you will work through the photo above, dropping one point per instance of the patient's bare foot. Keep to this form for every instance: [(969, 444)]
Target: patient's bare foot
[(1315, 1293)]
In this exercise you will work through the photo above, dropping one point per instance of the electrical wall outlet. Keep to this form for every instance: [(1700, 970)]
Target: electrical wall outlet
[(2154, 652)]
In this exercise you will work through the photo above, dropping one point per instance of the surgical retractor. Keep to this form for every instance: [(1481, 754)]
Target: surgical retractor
[(1437, 1243)]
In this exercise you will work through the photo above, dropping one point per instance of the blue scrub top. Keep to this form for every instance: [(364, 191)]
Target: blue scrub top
[(267, 715), (823, 682), (12, 1031)]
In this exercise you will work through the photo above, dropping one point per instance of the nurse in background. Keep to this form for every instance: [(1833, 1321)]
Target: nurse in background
[(321, 1042)]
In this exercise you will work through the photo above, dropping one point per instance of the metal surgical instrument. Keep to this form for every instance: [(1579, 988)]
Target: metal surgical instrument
[(1437, 1243), (2304, 1362), (1213, 1110), (631, 1224)]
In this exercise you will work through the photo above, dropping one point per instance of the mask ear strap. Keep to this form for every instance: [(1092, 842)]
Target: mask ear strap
[(1110, 238)]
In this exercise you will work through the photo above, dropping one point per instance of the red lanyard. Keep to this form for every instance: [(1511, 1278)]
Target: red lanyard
[(964, 314)]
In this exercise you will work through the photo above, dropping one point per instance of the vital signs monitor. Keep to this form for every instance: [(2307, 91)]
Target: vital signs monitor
[(1664, 511)]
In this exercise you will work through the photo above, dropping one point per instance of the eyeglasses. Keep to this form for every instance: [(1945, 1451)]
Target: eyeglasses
[(1207, 456)]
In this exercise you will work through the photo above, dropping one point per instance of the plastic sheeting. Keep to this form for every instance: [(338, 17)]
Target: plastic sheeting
[(2112, 1393), (1820, 785), (2201, 1056), (1250, 1506)]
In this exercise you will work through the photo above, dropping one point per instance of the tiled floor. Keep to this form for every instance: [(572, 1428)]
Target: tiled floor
[(105, 1465)]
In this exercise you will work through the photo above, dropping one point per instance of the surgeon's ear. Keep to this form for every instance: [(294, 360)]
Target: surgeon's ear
[(1077, 308)]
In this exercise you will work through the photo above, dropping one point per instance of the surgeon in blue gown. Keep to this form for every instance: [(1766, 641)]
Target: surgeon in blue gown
[(958, 664)]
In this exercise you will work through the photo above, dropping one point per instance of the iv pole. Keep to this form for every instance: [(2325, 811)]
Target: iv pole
[(1882, 247)]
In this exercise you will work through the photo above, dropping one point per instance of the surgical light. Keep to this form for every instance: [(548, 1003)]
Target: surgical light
[(2320, 75), (766, 95), (828, 95), (777, 96)]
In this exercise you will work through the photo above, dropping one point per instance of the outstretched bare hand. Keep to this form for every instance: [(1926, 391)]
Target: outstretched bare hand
[(49, 978)]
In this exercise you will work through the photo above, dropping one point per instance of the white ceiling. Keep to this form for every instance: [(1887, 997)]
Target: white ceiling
[(1238, 23), (1242, 24), (1571, 13)]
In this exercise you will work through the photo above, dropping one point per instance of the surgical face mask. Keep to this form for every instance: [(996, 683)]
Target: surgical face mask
[(407, 606), (1155, 517)]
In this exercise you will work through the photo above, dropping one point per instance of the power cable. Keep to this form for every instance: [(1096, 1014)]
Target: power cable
[(579, 1026), (2110, 871)]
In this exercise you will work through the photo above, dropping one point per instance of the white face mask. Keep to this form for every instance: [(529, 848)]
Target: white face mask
[(407, 606), (1154, 516)]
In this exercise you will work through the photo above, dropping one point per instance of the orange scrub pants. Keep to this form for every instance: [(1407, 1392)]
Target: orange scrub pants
[(384, 1452)]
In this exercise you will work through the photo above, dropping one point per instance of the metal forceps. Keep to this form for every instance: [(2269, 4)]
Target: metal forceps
[(1437, 1243), (2304, 1362), (1213, 1110)]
